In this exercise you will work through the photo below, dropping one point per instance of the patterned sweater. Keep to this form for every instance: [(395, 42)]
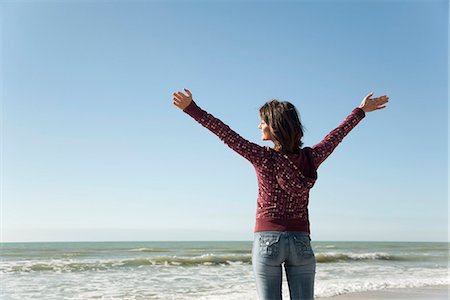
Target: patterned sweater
[(284, 180)]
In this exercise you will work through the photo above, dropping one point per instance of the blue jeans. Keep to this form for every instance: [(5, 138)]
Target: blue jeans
[(293, 248)]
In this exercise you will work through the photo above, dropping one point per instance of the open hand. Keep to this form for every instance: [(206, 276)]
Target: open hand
[(369, 104), (181, 100)]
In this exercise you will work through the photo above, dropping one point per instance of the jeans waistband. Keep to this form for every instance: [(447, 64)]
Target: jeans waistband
[(283, 232)]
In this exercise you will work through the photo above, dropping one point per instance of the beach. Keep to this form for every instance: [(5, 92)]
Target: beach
[(439, 292)]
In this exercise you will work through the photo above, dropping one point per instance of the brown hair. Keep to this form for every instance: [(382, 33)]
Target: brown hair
[(284, 124)]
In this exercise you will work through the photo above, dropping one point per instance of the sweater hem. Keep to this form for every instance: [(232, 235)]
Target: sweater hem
[(281, 225)]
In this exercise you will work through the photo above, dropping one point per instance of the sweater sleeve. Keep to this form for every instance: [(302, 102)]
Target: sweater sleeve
[(289, 176), (250, 151), (323, 149)]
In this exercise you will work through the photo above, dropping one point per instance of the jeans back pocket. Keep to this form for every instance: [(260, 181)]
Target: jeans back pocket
[(303, 245), (269, 244)]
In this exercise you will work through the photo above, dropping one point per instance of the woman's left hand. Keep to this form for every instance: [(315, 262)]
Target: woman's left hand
[(181, 100), (370, 104)]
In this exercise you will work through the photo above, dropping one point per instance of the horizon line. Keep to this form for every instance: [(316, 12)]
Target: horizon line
[(188, 241)]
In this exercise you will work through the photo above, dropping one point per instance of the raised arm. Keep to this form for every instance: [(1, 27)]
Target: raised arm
[(250, 151), (323, 149)]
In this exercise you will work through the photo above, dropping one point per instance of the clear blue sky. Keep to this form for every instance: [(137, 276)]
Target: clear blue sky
[(94, 149)]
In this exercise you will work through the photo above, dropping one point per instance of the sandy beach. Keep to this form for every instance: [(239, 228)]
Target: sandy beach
[(424, 293)]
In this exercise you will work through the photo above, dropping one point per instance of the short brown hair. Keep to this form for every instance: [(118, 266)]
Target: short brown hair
[(284, 124)]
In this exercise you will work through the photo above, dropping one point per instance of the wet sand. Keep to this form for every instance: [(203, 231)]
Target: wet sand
[(424, 293)]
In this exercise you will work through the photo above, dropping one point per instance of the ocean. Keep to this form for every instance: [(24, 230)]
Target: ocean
[(204, 270)]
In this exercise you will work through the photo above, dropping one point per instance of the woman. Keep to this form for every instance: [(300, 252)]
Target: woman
[(285, 175)]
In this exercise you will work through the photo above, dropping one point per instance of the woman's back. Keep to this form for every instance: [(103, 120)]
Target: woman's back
[(284, 180)]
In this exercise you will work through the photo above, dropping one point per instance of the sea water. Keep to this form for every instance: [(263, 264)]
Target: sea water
[(204, 270)]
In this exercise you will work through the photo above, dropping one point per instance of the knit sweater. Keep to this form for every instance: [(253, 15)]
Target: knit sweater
[(284, 180)]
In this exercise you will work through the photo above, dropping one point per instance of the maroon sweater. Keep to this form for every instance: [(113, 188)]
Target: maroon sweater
[(284, 181)]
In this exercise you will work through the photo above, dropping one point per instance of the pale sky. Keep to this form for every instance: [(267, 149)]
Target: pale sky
[(94, 149)]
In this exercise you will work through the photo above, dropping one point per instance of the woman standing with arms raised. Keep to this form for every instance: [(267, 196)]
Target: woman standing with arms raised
[(285, 175)]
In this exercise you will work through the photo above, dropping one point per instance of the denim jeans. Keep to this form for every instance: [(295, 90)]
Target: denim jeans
[(270, 250)]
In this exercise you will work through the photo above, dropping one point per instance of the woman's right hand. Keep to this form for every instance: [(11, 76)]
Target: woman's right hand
[(181, 100), (368, 104)]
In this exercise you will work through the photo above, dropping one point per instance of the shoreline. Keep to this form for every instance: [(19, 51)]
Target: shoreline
[(433, 292)]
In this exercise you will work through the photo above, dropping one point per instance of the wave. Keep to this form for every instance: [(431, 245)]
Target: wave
[(75, 266), (160, 250), (248, 251), (70, 264), (333, 257), (206, 259), (324, 246), (152, 250), (323, 289)]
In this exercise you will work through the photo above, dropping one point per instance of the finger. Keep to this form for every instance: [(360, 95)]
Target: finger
[(188, 92), (176, 100), (368, 96), (182, 95), (381, 100), (177, 96)]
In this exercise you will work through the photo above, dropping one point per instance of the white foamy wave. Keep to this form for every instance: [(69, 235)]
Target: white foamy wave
[(147, 250), (369, 256), (330, 288), (71, 265), (331, 257)]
